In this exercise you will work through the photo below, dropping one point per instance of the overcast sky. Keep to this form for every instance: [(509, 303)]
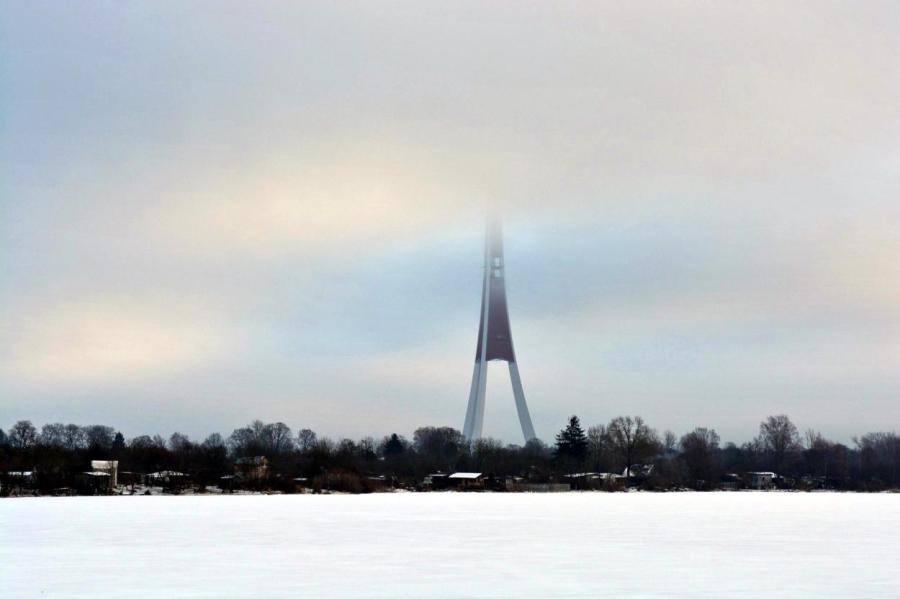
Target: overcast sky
[(214, 212)]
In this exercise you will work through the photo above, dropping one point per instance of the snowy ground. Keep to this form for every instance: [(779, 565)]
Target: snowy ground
[(453, 545)]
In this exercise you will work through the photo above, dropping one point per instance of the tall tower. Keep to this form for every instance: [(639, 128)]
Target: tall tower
[(494, 339)]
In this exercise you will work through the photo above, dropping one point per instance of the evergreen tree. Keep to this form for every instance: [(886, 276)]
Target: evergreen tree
[(571, 442), (118, 445), (393, 446)]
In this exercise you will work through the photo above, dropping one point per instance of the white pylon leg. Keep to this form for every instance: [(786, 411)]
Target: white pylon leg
[(473, 401), (479, 406), (521, 406)]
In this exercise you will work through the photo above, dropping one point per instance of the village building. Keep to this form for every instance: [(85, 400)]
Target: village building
[(730, 482), (467, 481), (252, 468), (14, 482), (95, 482), (108, 467), (761, 481)]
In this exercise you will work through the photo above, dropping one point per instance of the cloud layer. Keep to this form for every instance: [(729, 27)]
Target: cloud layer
[(210, 214)]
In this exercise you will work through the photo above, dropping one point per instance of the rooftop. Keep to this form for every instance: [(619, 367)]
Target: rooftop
[(466, 475)]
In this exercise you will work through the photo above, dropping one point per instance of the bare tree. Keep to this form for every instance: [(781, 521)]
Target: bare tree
[(74, 438), (214, 441), (22, 435), (670, 443), (277, 438), (879, 453), (599, 448), (306, 440), (632, 440), (488, 454), (179, 442), (53, 435), (439, 446), (99, 437), (816, 453), (698, 449), (243, 442), (779, 438)]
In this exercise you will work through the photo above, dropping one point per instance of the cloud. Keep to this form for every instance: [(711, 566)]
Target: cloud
[(335, 200), (103, 342)]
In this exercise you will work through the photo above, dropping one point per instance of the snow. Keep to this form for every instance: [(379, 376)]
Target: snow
[(453, 544), (465, 475), (104, 464)]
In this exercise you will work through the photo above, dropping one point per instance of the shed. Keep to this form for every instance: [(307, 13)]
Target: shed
[(466, 480)]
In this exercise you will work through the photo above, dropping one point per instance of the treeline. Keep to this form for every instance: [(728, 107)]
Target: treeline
[(55, 456)]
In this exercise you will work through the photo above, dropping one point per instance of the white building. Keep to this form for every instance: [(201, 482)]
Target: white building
[(108, 468)]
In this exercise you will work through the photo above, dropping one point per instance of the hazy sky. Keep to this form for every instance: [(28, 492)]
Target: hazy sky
[(214, 212)]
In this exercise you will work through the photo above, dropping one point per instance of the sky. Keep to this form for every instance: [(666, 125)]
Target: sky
[(212, 212)]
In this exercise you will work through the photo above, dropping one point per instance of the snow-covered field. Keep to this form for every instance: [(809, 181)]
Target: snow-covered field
[(453, 545)]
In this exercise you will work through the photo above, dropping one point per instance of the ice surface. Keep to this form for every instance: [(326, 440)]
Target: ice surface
[(453, 545)]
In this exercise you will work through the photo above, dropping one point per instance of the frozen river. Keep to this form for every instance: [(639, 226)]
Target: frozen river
[(453, 545)]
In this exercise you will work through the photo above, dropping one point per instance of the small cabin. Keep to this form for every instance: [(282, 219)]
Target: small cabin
[(466, 481), (761, 481)]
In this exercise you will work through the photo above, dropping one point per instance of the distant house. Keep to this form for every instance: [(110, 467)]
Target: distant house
[(761, 481), (21, 476), (582, 480), (108, 467), (466, 481), (730, 482), (96, 482), (252, 468), (15, 481)]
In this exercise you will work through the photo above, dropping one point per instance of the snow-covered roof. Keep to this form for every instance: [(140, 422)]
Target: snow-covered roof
[(762, 473), (104, 464), (603, 475), (466, 475), (95, 473)]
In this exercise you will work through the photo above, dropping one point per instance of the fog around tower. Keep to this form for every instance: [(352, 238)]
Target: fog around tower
[(210, 215)]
